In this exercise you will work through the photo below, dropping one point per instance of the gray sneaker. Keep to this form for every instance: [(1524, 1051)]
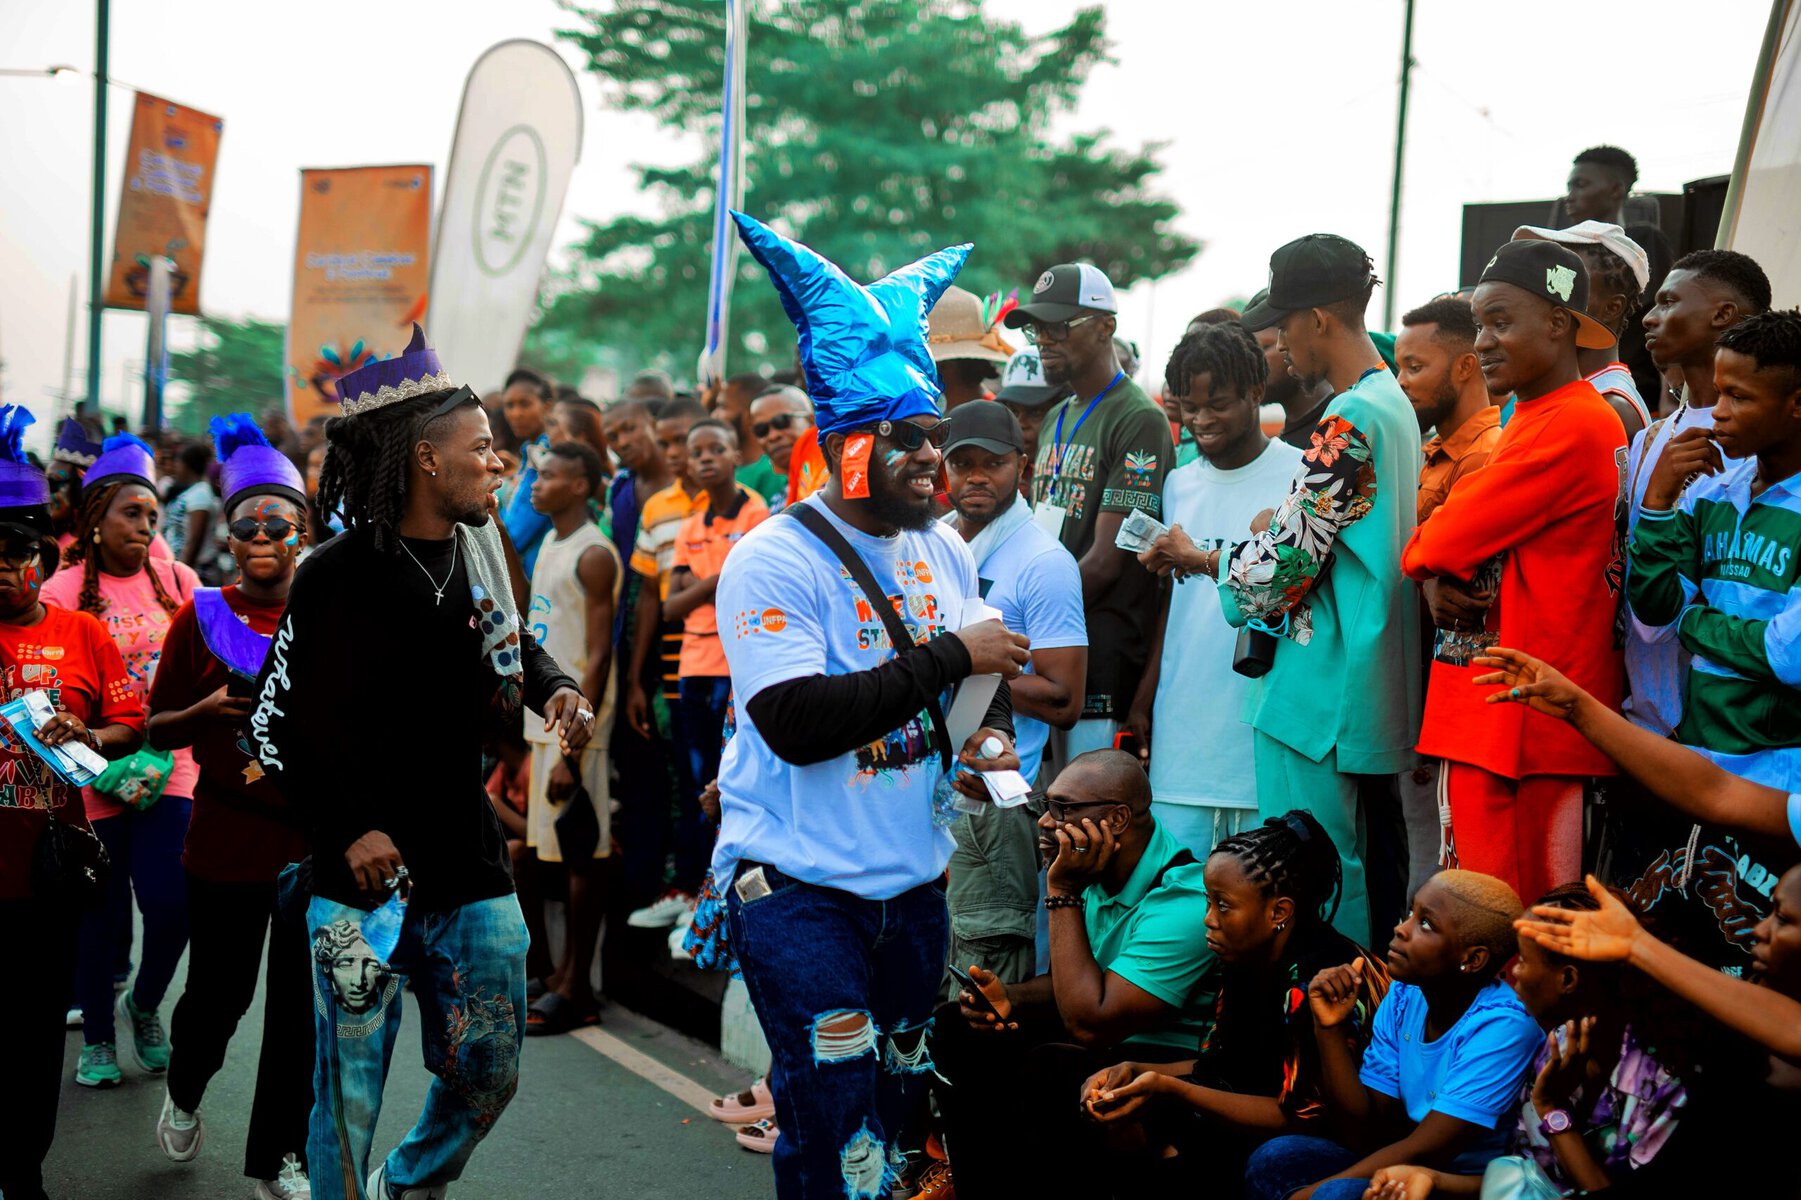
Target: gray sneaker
[(378, 1188), (290, 1184), (179, 1133)]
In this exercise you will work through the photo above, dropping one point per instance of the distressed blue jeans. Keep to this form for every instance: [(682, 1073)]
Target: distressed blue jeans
[(467, 968), (844, 988)]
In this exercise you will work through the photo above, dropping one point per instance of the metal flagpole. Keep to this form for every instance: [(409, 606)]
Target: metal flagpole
[(728, 194), (1394, 194), (97, 242)]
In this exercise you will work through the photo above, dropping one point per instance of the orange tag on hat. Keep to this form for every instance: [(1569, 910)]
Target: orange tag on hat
[(854, 463)]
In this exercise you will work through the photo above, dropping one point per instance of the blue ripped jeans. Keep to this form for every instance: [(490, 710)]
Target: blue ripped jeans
[(1283, 1166), (844, 988), (467, 968)]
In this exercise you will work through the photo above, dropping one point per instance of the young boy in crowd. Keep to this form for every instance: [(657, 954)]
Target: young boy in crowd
[(656, 655), (1450, 1044), (1202, 777), (1717, 555), (705, 538), (575, 586)]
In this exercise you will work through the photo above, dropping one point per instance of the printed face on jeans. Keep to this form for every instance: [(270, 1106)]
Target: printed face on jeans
[(356, 974)]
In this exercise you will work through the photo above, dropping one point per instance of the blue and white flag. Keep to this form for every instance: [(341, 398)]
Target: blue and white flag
[(728, 195)]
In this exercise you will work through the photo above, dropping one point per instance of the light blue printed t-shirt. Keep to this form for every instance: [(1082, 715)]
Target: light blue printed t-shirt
[(1037, 587), (860, 822), (1472, 1071)]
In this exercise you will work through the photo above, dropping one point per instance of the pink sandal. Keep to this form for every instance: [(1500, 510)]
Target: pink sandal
[(746, 1107), (759, 1138)]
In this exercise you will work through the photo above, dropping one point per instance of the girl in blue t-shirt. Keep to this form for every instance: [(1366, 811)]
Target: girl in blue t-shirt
[(1450, 1044)]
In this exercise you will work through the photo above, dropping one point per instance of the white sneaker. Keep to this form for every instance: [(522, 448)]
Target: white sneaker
[(677, 936), (377, 1188), (72, 1019), (290, 1184), (663, 912), (179, 1133)]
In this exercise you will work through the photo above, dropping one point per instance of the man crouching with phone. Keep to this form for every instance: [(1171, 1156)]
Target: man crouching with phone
[(1129, 967)]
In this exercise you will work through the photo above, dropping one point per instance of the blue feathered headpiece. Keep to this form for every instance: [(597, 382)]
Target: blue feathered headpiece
[(249, 465), (123, 456), (863, 348), (22, 485)]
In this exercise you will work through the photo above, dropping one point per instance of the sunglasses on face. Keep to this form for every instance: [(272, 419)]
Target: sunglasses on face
[(910, 437), (1038, 332), (779, 421), (17, 558), (245, 529)]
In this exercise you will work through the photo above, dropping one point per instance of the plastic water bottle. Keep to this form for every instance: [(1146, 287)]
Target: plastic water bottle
[(381, 928), (948, 804)]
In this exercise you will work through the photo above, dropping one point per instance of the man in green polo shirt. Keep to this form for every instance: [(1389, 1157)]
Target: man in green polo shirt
[(1342, 696), (1129, 967)]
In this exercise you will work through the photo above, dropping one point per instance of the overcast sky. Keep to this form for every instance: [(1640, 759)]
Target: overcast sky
[(1278, 119)]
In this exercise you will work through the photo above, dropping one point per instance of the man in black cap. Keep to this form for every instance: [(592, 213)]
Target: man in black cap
[(1340, 698), (1303, 401), (1537, 525), (1033, 581), (1107, 451)]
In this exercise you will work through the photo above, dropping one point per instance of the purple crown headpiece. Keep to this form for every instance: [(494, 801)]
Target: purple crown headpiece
[(22, 485), (249, 465), (414, 372), (73, 446), (123, 456)]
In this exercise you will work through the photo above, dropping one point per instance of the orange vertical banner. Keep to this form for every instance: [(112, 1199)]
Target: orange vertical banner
[(360, 276), (163, 205)]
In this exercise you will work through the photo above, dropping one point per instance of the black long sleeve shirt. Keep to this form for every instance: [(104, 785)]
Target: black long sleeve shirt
[(372, 711)]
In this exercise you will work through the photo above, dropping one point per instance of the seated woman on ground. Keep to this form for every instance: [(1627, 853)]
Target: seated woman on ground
[(1448, 1049), (1603, 1098), (1272, 892)]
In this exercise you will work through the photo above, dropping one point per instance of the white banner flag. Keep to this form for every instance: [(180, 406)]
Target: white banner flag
[(728, 194), (1763, 204), (518, 137)]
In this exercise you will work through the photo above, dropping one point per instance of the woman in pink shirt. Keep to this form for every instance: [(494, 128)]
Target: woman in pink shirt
[(108, 571)]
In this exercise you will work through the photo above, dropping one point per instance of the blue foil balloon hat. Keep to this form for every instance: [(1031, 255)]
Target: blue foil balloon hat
[(863, 348)]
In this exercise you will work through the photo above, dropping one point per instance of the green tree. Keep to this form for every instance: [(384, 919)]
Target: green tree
[(876, 131), (236, 367)]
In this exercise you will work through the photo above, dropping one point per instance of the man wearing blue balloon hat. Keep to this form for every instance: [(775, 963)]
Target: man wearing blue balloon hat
[(846, 623), (416, 594)]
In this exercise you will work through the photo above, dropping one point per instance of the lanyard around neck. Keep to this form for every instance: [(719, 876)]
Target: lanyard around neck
[(1061, 447)]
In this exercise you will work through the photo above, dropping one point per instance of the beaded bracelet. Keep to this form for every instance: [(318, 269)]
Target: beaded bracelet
[(1063, 902)]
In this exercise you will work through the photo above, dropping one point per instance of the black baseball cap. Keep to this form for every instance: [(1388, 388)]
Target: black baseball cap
[(1316, 270), (1553, 272), (987, 424), (1258, 315), (1065, 292)]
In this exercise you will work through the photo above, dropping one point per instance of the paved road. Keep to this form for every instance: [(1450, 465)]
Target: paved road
[(583, 1125)]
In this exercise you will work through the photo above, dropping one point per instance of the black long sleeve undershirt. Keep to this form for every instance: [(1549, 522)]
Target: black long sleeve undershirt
[(812, 720)]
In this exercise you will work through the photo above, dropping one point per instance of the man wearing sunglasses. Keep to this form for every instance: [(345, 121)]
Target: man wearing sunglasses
[(1102, 453), (777, 419), (1130, 966), (832, 843)]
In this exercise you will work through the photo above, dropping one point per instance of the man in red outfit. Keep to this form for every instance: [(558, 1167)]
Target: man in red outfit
[(1527, 555)]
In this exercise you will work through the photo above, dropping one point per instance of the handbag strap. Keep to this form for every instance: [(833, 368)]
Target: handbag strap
[(816, 523)]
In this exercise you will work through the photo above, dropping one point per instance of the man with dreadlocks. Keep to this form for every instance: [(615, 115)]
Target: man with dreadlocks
[(1202, 774), (417, 590)]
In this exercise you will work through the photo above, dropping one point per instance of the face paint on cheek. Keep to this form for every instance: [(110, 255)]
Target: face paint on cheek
[(893, 458), (31, 577)]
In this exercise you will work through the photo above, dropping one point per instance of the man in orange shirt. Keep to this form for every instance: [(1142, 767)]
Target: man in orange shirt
[(1435, 364), (1543, 506), (705, 538)]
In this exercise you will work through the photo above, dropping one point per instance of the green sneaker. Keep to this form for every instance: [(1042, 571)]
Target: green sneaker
[(99, 1066), (149, 1043)]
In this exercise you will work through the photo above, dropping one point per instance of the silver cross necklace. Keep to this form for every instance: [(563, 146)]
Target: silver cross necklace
[(436, 587)]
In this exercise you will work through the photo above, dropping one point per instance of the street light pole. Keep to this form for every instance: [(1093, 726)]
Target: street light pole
[(97, 244), (1394, 195)]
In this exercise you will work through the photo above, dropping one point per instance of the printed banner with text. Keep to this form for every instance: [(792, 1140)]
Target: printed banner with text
[(360, 273), (163, 206)]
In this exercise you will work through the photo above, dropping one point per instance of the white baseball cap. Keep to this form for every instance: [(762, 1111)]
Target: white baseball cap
[(1022, 383), (1595, 233)]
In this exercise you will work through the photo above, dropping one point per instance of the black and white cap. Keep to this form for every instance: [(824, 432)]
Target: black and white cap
[(1065, 292)]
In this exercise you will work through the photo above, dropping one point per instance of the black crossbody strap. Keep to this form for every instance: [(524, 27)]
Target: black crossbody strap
[(816, 524), (1181, 858)]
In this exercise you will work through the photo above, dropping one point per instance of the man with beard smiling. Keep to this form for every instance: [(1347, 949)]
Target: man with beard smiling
[(1103, 453), (845, 622), (1512, 782), (416, 594), (1029, 577)]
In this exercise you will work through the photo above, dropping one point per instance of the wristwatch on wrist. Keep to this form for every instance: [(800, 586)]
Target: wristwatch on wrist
[(1554, 1122)]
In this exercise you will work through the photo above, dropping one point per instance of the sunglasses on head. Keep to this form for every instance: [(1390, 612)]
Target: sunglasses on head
[(910, 437), (779, 421), (245, 529)]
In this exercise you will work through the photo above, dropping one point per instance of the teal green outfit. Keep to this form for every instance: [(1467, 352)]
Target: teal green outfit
[(764, 480), (1344, 695)]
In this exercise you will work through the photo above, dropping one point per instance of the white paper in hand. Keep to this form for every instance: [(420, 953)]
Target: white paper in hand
[(975, 693)]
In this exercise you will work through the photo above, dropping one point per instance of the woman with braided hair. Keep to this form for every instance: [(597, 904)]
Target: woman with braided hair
[(416, 597), (1272, 892), (143, 818)]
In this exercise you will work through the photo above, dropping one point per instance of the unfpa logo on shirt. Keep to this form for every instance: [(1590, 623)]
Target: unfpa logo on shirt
[(770, 620)]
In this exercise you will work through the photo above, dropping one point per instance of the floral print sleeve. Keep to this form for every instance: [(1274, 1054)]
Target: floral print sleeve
[(1271, 575)]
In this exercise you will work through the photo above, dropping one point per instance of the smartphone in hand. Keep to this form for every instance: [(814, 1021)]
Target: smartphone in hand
[(968, 984)]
